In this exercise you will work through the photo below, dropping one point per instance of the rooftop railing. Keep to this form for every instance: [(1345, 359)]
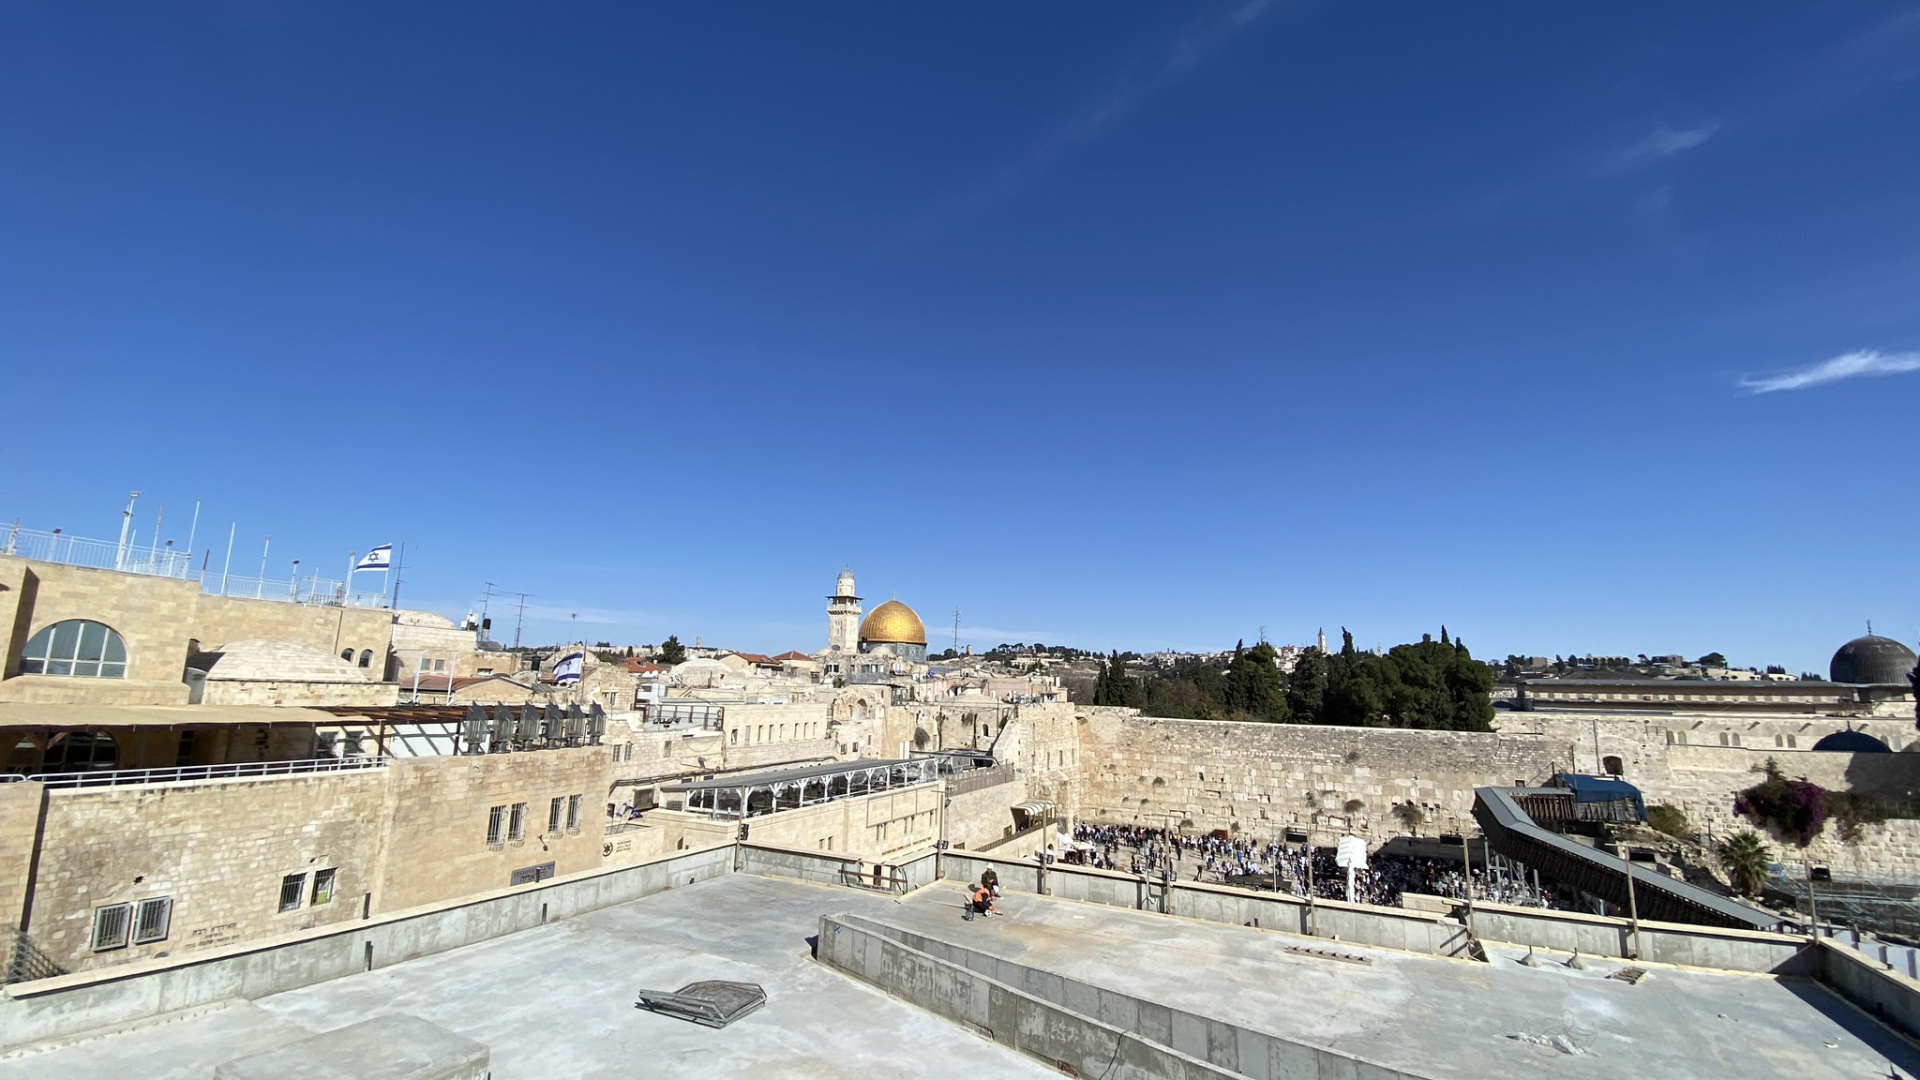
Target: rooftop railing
[(184, 773), (163, 561)]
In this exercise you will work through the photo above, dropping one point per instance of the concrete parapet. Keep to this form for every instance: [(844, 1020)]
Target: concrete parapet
[(1888, 996), (1077, 1027), (1660, 942), (1410, 930), (69, 1005), (1390, 928), (823, 868)]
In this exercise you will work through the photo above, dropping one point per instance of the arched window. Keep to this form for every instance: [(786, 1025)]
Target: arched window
[(347, 655), (366, 657), (1612, 765), (78, 647)]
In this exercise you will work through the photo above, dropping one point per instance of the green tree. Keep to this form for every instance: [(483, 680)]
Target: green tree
[(671, 651), (1745, 858), (1670, 820), (1307, 687), (1712, 659), (1254, 685)]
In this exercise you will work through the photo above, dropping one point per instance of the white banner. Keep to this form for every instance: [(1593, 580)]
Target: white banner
[(379, 558)]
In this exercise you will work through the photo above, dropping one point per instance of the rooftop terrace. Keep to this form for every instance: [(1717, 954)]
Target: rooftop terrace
[(559, 1000)]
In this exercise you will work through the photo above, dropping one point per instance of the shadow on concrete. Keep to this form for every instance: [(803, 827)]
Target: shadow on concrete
[(1880, 1039)]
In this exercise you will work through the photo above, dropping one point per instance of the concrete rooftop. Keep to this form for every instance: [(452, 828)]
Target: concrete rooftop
[(1439, 1017), (558, 1001)]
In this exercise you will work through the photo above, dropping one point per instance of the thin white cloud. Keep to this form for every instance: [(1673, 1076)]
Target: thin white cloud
[(1199, 43), (1853, 365), (1665, 142)]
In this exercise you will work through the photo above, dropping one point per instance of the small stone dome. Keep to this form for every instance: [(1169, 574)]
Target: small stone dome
[(1852, 742), (262, 660), (893, 623), (1872, 661)]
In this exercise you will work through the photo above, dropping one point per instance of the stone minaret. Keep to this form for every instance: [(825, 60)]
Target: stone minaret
[(843, 616)]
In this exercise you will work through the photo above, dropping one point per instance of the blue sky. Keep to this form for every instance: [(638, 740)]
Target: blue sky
[(1577, 329)]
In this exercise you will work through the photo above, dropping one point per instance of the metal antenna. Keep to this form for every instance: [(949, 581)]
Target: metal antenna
[(519, 612), (956, 631)]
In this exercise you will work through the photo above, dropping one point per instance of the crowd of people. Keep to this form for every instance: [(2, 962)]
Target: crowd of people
[(1170, 855)]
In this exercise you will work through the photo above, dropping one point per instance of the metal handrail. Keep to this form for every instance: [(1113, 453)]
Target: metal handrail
[(178, 774), (153, 561), (974, 779)]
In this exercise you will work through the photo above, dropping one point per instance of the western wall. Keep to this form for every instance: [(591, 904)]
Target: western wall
[(1258, 779)]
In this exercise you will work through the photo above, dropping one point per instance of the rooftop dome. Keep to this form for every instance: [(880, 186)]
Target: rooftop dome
[(1852, 742), (893, 623), (1872, 660), (261, 660)]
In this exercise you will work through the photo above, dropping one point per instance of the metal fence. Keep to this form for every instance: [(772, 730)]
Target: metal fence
[(25, 961), (163, 561), (121, 777), (974, 779)]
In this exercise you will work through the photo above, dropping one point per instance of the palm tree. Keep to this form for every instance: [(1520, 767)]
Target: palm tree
[(1745, 858)]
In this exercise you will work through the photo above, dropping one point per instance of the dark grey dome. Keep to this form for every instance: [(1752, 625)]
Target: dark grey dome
[(1872, 660), (1852, 742)]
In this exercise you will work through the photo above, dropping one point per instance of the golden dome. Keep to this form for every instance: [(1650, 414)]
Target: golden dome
[(893, 623)]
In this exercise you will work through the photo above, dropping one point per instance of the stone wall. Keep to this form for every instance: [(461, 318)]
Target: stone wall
[(1200, 774), (1262, 777), (221, 619), (435, 843), (412, 832), (19, 823), (984, 815), (149, 614), (220, 850), (872, 827), (160, 619), (300, 693)]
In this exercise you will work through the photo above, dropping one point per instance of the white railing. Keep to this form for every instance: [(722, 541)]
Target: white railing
[(121, 777), (133, 558)]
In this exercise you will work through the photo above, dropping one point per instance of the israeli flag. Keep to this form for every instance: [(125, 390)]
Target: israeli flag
[(567, 671), (379, 558)]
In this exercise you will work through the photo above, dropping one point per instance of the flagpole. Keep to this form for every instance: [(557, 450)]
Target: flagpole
[(346, 594), (192, 531), (399, 566), (228, 565)]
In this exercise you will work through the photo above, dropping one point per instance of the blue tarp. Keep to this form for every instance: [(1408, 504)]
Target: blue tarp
[(1601, 789)]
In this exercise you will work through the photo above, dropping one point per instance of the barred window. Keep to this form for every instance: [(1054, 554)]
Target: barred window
[(517, 823), (293, 889), (78, 647), (153, 920), (554, 810), (573, 813), (494, 816), (110, 926), (322, 886)]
